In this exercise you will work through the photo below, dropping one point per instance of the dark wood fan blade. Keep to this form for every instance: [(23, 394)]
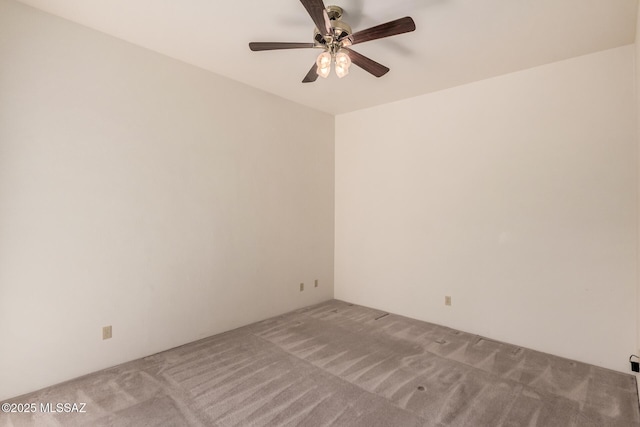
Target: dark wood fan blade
[(318, 13), (255, 46), (393, 28), (312, 75), (366, 64)]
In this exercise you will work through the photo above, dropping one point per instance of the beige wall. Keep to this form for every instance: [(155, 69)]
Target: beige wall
[(517, 196), (140, 192)]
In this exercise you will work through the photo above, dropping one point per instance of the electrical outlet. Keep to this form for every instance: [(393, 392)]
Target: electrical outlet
[(106, 332), (301, 287), (447, 300), (315, 284)]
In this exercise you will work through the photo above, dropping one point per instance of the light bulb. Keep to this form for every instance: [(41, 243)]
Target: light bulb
[(343, 62), (324, 64)]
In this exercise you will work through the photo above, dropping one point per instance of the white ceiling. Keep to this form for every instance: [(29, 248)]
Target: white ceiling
[(456, 41)]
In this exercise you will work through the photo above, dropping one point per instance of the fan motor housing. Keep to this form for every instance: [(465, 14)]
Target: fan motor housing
[(340, 31)]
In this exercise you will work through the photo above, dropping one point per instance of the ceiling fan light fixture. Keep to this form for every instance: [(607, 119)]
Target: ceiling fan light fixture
[(324, 64), (343, 62), (335, 38)]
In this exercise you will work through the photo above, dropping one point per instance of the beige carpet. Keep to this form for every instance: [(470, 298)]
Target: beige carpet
[(345, 365)]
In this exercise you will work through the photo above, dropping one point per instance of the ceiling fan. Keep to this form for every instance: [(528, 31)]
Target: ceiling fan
[(334, 37)]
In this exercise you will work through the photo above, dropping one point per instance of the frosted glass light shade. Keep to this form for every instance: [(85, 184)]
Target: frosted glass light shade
[(343, 62), (324, 64)]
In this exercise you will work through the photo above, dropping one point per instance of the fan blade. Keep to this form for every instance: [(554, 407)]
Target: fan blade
[(392, 28), (312, 75), (366, 64), (318, 13), (255, 46)]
